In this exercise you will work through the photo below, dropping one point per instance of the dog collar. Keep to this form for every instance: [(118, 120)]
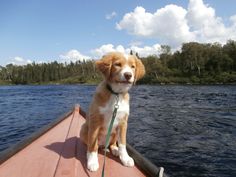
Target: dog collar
[(112, 91)]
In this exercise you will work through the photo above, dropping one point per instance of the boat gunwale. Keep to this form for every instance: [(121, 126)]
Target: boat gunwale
[(11, 151), (143, 163)]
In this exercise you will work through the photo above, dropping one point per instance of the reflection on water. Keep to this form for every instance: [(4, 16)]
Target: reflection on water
[(190, 130)]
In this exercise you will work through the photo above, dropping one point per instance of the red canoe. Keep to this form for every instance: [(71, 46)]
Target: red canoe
[(56, 150)]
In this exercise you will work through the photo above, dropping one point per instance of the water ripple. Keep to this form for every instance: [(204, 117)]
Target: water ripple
[(190, 130)]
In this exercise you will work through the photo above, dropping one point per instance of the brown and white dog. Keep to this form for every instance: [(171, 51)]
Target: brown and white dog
[(120, 73)]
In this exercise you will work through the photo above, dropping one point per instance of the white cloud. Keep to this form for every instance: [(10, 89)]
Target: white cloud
[(111, 15), (199, 14), (20, 61), (174, 25), (73, 55), (135, 43), (142, 51), (102, 50), (137, 22), (206, 26), (147, 50), (233, 19), (168, 24)]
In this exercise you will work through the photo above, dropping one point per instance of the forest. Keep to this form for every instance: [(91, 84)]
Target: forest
[(194, 63)]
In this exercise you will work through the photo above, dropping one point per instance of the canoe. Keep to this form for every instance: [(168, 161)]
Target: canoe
[(56, 150)]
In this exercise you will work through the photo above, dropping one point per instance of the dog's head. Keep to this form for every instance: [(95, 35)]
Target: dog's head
[(121, 71)]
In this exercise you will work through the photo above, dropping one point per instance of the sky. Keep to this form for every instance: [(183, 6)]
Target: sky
[(69, 30)]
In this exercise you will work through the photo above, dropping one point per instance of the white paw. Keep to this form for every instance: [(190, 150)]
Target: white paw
[(115, 151), (127, 161), (124, 157), (92, 161)]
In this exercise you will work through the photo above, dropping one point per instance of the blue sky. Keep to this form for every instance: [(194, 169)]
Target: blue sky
[(47, 30)]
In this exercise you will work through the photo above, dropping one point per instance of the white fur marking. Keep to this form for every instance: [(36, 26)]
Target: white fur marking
[(126, 57), (92, 161), (124, 157), (124, 70), (108, 109), (120, 87)]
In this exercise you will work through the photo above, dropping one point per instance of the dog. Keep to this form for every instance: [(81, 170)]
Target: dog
[(120, 72)]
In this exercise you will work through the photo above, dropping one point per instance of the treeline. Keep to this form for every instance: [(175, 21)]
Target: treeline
[(54, 72), (195, 63)]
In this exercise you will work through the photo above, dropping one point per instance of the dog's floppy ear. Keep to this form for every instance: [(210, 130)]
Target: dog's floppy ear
[(140, 69), (104, 65)]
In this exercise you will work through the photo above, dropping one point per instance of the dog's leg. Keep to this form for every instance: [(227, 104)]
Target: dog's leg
[(124, 157), (92, 153), (84, 133), (113, 145)]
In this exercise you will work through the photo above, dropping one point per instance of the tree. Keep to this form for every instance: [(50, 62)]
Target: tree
[(193, 55), (230, 49), (165, 55), (131, 52)]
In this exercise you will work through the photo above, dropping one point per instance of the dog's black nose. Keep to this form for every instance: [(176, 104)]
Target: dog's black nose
[(128, 75)]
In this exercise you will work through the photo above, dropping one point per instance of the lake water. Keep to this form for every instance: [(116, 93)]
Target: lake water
[(190, 130)]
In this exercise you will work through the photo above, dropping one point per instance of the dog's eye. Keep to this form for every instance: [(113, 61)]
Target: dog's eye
[(118, 64), (133, 66)]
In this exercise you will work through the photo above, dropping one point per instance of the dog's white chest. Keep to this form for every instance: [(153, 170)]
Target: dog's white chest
[(107, 111)]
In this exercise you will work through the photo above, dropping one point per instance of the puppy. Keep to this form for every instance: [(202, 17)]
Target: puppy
[(120, 73)]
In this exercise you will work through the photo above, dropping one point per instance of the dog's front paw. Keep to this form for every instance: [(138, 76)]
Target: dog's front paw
[(127, 161), (124, 157), (115, 151), (92, 161)]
